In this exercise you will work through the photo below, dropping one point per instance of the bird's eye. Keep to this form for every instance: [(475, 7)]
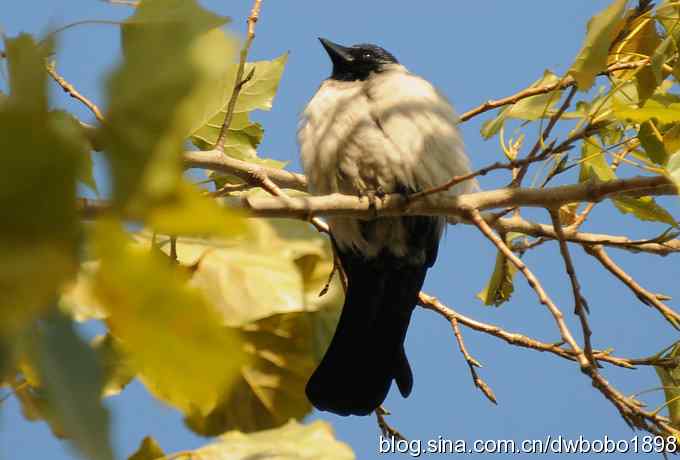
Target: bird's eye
[(367, 56)]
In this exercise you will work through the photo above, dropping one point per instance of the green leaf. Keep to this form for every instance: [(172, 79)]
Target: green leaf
[(292, 441), (258, 93), (673, 168), (177, 341), (149, 118), (649, 140), (531, 108), (286, 328), (72, 379), (644, 208), (500, 287), (651, 110), (670, 381), (592, 59), (594, 162), (491, 127), (40, 159), (149, 449), (535, 107)]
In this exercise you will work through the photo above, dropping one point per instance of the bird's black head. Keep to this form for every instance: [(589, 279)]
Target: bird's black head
[(358, 61)]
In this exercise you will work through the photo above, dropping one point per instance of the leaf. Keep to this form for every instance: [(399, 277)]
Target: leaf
[(651, 110), (594, 163), (177, 342), (149, 449), (186, 212), (78, 298), (286, 328), (40, 156), (592, 58), (72, 379), (491, 127), (530, 108), (670, 381), (117, 365), (271, 389), (649, 140), (638, 39), (673, 168), (149, 118), (644, 208), (292, 441), (258, 93), (500, 287)]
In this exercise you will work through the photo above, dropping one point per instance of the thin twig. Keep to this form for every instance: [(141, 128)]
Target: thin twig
[(472, 363), (543, 137), (72, 91), (543, 297), (648, 298), (543, 89), (239, 82), (631, 410), (580, 304), (516, 339)]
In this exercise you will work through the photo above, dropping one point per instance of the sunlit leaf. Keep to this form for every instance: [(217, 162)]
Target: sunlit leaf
[(594, 162), (289, 442), (177, 342), (530, 108), (651, 110), (650, 141), (644, 208), (148, 450), (500, 287), (592, 58), (639, 39), (491, 127), (257, 93), (286, 327), (78, 298)]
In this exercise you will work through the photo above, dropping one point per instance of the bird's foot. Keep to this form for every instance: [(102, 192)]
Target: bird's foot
[(373, 196)]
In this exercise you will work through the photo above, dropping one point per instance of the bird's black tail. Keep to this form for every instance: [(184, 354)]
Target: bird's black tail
[(367, 350)]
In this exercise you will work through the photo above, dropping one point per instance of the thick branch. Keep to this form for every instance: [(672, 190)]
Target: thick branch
[(458, 206)]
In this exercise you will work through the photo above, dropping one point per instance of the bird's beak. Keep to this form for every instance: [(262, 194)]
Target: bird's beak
[(338, 53)]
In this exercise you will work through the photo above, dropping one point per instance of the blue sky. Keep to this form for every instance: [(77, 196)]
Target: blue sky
[(472, 51)]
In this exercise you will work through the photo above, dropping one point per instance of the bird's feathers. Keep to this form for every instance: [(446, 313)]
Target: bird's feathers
[(390, 132)]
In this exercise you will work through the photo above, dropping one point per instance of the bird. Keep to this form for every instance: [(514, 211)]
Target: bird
[(374, 128)]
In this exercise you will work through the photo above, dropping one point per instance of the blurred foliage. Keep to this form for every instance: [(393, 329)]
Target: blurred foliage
[(223, 321), (288, 442), (227, 326)]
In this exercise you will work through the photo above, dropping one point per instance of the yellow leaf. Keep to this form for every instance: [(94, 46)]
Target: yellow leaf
[(592, 59), (177, 342)]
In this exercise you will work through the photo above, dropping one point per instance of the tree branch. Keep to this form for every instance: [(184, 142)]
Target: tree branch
[(563, 83), (240, 81), (642, 294), (457, 206)]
